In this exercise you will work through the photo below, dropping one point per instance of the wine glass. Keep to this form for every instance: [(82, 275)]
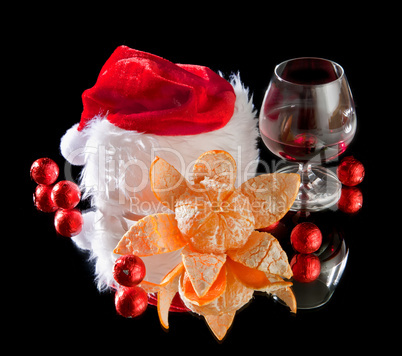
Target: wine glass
[(308, 117), (333, 258)]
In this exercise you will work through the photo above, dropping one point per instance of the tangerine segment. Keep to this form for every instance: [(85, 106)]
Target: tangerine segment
[(287, 296), (202, 269), (198, 223), (276, 283), (216, 191), (220, 324), (214, 227), (172, 274), (167, 183), (193, 210), (150, 287), (168, 290), (256, 279), (250, 277), (151, 235), (236, 221), (271, 196), (216, 164), (214, 292), (262, 251), (235, 296)]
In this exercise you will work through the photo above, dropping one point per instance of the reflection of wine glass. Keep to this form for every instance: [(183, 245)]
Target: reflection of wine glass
[(333, 257), (333, 261), (308, 116)]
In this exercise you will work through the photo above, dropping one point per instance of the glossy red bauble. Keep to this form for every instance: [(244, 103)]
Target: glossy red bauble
[(131, 302), (306, 237), (43, 200), (305, 268), (66, 194), (350, 171), (44, 171), (351, 200), (129, 270), (68, 222)]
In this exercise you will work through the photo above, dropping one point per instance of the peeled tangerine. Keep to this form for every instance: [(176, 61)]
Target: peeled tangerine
[(214, 229), (224, 260)]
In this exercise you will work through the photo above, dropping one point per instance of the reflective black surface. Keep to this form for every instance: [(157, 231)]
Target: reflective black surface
[(51, 285)]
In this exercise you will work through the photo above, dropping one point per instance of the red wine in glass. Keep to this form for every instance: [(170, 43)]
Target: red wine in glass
[(308, 116), (304, 144)]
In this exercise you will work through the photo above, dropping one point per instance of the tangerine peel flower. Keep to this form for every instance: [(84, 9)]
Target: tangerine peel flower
[(224, 258)]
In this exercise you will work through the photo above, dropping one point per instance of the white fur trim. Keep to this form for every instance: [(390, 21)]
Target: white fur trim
[(84, 238), (72, 145), (116, 171)]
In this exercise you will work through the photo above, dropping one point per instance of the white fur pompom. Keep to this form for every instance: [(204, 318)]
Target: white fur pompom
[(72, 146)]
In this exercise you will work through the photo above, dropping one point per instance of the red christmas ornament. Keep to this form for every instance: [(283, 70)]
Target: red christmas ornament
[(351, 200), (129, 270), (44, 171), (306, 237), (68, 222), (66, 194), (43, 200), (305, 268), (131, 302), (350, 171)]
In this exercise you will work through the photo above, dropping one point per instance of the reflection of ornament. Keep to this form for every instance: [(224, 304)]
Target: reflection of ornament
[(319, 279), (66, 194), (351, 200), (271, 227), (306, 268), (44, 171), (43, 200), (131, 301), (350, 171), (129, 270), (306, 237), (177, 304), (223, 259), (68, 222)]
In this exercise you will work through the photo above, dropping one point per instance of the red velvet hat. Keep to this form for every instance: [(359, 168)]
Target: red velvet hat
[(143, 92)]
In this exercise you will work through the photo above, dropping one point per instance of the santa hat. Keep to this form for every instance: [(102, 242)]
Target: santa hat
[(142, 92), (141, 106)]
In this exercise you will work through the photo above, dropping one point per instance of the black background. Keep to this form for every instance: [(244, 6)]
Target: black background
[(50, 284)]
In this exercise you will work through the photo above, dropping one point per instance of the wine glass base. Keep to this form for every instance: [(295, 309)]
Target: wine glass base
[(310, 295), (319, 189), (333, 260)]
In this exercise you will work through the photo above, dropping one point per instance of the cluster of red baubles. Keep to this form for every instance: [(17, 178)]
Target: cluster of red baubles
[(306, 238), (351, 173), (61, 197), (130, 299)]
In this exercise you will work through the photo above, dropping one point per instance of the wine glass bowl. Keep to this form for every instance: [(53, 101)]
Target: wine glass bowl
[(308, 117)]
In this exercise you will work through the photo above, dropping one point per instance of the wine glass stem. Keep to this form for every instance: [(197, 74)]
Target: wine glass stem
[(319, 187), (306, 177), (305, 173)]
